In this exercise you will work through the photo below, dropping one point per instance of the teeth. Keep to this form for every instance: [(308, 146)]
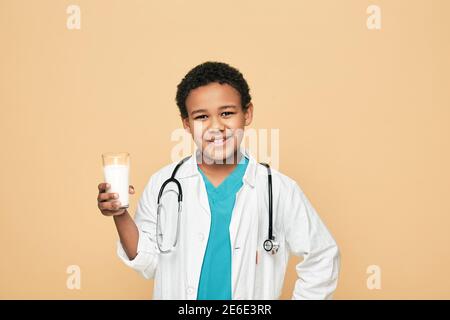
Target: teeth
[(218, 141)]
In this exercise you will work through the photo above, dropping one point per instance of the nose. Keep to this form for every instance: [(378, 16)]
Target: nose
[(216, 124)]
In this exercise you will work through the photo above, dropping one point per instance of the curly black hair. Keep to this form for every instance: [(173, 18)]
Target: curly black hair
[(209, 72)]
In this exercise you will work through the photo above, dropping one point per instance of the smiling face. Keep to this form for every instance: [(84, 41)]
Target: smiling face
[(216, 121)]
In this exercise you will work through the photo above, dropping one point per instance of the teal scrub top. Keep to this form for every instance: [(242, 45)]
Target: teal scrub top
[(215, 277)]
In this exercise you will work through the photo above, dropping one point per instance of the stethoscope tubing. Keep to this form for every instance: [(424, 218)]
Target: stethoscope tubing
[(270, 245)]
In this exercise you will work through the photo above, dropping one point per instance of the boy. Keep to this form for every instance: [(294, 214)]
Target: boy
[(221, 250)]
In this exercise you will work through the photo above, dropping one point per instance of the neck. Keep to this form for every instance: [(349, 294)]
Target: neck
[(210, 166)]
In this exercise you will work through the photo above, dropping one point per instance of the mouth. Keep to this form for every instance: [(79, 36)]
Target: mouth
[(217, 142)]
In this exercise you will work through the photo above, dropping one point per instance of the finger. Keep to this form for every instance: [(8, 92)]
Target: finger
[(102, 187), (114, 205), (117, 213), (109, 205), (110, 213), (131, 190), (107, 196)]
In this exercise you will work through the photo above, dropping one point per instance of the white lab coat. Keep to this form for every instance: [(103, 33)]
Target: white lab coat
[(297, 227)]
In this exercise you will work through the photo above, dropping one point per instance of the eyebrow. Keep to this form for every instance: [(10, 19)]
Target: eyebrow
[(220, 108)]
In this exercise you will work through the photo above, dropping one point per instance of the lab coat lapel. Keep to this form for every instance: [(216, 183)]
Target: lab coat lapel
[(191, 170), (202, 195), (245, 205)]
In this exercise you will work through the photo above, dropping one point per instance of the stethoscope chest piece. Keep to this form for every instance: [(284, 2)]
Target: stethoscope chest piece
[(271, 246)]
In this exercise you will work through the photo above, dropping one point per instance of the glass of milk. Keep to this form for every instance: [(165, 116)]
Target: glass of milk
[(116, 168)]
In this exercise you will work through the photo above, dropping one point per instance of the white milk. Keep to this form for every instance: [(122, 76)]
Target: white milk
[(117, 176)]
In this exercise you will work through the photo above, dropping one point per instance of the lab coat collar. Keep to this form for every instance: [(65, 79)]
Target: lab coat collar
[(190, 168)]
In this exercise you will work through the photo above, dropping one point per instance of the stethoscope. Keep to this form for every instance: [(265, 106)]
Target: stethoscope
[(270, 244)]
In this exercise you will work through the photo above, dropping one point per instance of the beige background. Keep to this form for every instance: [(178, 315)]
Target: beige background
[(363, 118)]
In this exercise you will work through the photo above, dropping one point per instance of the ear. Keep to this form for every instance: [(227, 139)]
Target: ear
[(248, 114), (186, 124)]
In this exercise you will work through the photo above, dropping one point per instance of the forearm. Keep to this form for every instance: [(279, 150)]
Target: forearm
[(128, 233)]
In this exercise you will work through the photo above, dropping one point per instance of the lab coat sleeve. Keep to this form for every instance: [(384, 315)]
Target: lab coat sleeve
[(307, 236), (147, 253)]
